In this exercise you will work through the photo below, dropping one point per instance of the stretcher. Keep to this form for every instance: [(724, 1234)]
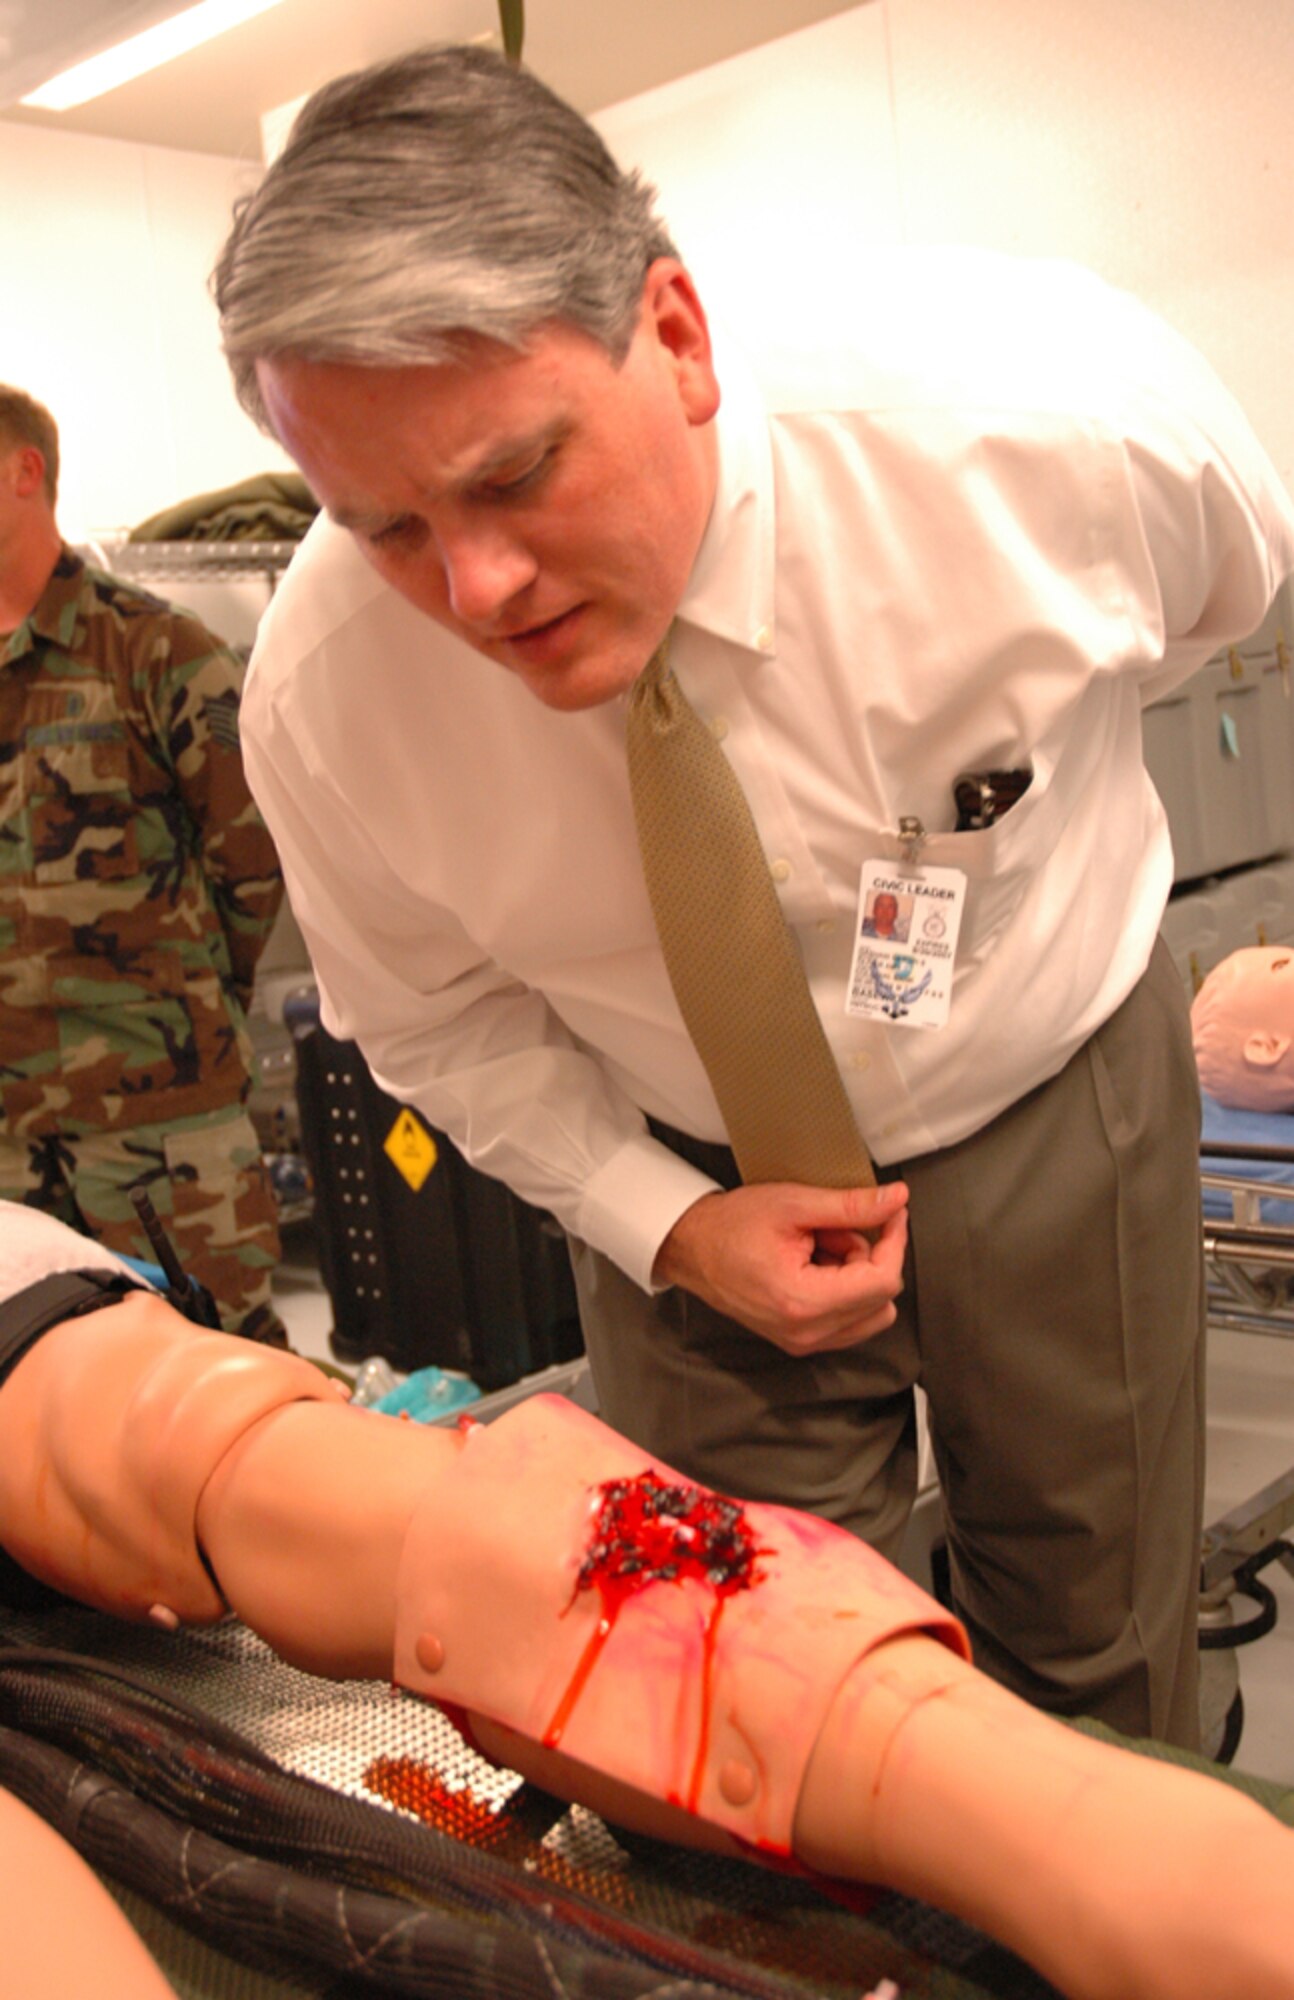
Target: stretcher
[(1247, 1178), (275, 1836)]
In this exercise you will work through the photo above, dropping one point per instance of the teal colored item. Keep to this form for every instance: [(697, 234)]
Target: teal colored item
[(152, 1274), (428, 1394)]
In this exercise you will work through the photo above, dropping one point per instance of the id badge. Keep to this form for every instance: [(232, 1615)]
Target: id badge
[(908, 923)]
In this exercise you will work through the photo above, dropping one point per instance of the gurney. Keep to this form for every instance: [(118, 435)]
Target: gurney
[(273, 1836), (344, 1838), (1247, 1179)]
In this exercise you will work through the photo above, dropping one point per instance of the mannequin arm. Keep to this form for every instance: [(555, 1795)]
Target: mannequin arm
[(1119, 1877), (478, 1560), (110, 1426), (62, 1931), (304, 1521)]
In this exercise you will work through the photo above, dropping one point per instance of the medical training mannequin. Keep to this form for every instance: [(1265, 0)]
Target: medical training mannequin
[(91, 1948), (1242, 1025), (771, 1683)]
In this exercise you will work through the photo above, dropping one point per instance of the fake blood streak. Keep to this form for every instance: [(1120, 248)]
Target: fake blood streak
[(649, 1530)]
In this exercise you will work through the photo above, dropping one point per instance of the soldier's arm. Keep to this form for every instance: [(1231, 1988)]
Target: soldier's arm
[(196, 700)]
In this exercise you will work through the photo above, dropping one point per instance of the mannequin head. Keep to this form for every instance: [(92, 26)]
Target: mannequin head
[(1243, 1027)]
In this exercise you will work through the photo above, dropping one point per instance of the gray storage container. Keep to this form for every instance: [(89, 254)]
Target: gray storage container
[(1221, 753)]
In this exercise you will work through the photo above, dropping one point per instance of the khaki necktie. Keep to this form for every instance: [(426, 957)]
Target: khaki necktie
[(733, 964)]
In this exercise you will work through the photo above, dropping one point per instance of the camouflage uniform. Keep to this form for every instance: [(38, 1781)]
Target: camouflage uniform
[(138, 885)]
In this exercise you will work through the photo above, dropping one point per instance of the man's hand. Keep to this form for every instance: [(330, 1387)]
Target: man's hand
[(810, 1269)]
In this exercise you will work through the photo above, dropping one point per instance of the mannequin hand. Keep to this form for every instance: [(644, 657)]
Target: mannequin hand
[(810, 1269)]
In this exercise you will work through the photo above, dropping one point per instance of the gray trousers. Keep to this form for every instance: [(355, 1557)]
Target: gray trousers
[(1053, 1313)]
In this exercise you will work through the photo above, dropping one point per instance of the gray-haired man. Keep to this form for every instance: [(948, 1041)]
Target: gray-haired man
[(972, 533)]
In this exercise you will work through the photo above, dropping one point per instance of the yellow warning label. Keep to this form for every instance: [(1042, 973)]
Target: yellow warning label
[(411, 1149)]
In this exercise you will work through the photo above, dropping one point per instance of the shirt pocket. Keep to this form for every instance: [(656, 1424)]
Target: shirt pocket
[(1000, 862), (81, 810)]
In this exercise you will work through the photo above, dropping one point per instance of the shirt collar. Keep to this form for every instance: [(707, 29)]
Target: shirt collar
[(731, 589), (54, 615)]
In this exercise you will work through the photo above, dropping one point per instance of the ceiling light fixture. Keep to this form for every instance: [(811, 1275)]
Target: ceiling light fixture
[(143, 52)]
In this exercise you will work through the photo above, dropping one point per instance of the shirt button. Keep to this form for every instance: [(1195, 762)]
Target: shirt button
[(858, 1059), (826, 924), (764, 639), (719, 728), (780, 871), (888, 1131)]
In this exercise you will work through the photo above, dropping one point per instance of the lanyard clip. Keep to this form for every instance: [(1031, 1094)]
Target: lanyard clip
[(912, 838)]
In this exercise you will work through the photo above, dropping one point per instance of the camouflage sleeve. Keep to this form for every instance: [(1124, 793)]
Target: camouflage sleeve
[(195, 698)]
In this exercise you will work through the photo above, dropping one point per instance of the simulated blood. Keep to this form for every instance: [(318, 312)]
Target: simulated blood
[(650, 1530)]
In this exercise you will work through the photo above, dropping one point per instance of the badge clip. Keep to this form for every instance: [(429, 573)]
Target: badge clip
[(912, 838)]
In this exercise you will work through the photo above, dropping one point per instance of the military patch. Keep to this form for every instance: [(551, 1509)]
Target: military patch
[(220, 713)]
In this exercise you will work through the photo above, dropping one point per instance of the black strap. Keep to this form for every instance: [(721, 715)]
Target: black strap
[(65, 1295), (706, 1155)]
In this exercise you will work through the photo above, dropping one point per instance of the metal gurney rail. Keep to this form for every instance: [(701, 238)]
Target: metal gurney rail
[(1249, 1266), (1249, 1255)]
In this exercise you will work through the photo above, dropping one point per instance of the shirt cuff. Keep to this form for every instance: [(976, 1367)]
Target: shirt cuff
[(631, 1204)]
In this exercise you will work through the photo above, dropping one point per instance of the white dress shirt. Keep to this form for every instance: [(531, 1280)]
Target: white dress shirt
[(977, 528)]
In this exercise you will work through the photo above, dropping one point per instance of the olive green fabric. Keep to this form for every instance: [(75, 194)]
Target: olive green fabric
[(274, 507)]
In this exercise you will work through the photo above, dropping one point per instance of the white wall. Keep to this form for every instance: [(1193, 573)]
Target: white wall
[(1150, 139), (104, 254)]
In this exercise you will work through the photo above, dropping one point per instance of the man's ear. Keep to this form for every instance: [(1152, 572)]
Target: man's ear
[(1263, 1050), (672, 308), (29, 471)]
